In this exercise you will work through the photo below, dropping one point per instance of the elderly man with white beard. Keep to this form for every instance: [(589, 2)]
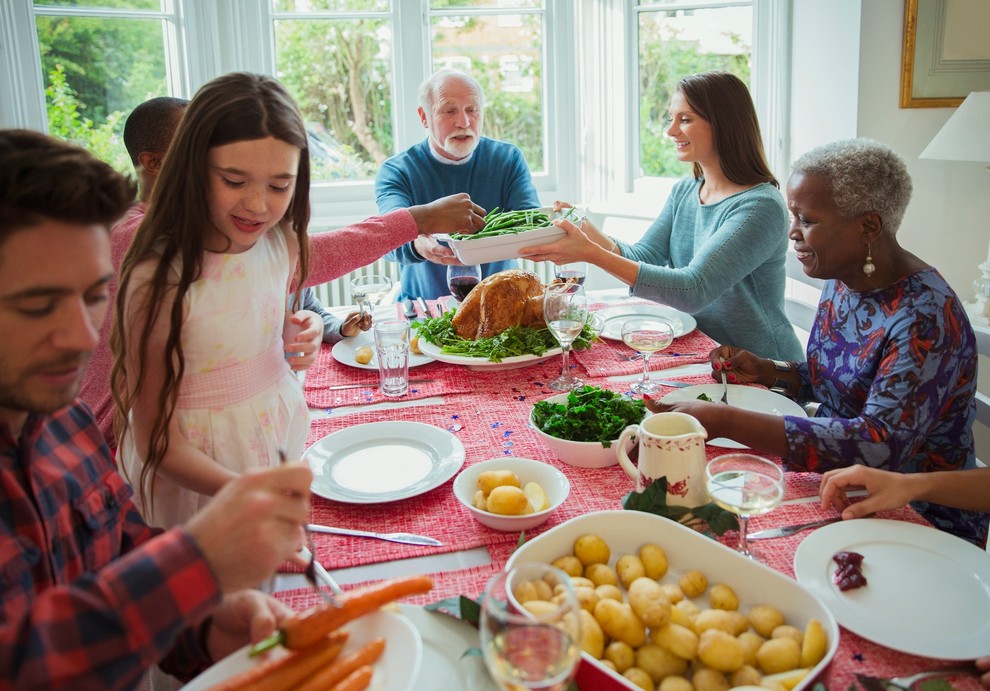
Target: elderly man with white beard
[(453, 158)]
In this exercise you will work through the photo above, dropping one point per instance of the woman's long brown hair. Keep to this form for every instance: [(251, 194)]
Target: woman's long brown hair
[(232, 108), (723, 100)]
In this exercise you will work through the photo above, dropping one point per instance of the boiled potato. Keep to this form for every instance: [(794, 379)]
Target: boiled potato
[(673, 592), (714, 619), (640, 678), (648, 602), (592, 636), (815, 644), (591, 549), (601, 574), (720, 650), (363, 355), (621, 655), (693, 583), (659, 663), (778, 655), (751, 642), (707, 679), (765, 619), (619, 622), (508, 500), (654, 560), (722, 596), (629, 567), (788, 631), (570, 565), (490, 479), (586, 597), (581, 581), (610, 592), (538, 500), (414, 345), (675, 684), (479, 500), (787, 680), (747, 675), (677, 639), (540, 608)]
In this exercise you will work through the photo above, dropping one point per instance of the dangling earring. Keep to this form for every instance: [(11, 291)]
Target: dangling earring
[(868, 267)]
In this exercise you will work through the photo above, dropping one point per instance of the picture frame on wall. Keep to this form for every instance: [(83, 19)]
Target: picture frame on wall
[(946, 54)]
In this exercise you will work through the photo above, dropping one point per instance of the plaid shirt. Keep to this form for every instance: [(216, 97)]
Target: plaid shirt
[(92, 597)]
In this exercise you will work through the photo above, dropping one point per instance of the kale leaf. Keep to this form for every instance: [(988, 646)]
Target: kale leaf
[(590, 414)]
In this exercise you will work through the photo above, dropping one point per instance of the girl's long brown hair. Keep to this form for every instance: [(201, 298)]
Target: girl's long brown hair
[(723, 100), (232, 108)]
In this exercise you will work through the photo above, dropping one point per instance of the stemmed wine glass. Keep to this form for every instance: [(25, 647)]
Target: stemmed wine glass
[(573, 272), (368, 291), (746, 485), (647, 335), (528, 645), (461, 279), (565, 309)]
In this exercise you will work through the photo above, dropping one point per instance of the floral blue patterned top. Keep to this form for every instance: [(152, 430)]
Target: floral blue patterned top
[(895, 372)]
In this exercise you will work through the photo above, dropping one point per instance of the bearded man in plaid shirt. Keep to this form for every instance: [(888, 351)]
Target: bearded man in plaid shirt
[(91, 596)]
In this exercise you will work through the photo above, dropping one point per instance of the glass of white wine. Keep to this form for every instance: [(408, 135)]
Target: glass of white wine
[(368, 291), (565, 310), (529, 647), (647, 335), (746, 485)]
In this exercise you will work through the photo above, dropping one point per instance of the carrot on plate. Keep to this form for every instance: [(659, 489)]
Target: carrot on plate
[(287, 670), (344, 666), (307, 628), (358, 680)]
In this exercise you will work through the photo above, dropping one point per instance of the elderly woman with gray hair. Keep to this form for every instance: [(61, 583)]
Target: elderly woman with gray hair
[(891, 358)]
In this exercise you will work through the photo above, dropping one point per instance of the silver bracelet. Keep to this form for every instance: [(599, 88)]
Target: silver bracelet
[(780, 384)]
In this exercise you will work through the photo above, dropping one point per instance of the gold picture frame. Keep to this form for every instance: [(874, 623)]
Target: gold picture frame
[(939, 64)]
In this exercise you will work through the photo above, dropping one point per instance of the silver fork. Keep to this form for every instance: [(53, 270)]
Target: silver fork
[(907, 682)]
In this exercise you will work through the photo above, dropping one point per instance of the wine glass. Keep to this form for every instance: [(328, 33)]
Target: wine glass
[(528, 645), (746, 485), (462, 279), (565, 310), (573, 272), (647, 335), (368, 291)]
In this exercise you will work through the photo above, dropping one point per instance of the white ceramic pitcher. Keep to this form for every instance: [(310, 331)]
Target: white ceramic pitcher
[(671, 445)]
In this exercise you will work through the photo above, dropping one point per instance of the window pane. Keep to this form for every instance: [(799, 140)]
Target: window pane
[(505, 54), (673, 45), (500, 4), (330, 5), (96, 70), (339, 72), (155, 5)]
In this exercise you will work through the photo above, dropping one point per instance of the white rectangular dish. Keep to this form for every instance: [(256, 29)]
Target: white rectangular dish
[(755, 584), (500, 247)]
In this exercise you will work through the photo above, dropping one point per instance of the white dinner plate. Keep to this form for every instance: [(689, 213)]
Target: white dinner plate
[(343, 351), (383, 461), (927, 592), (614, 317), (746, 397), (514, 362), (445, 640), (396, 670), (755, 583)]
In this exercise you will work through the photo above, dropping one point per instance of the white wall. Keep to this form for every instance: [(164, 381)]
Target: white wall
[(846, 77)]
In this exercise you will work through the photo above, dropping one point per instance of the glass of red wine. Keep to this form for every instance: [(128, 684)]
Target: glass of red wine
[(574, 272), (462, 279)]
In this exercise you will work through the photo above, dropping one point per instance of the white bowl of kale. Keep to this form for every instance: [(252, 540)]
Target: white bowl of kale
[(583, 426)]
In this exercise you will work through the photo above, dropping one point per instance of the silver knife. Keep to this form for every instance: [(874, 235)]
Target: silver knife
[(675, 384), (371, 385), (790, 529), (422, 306), (404, 538)]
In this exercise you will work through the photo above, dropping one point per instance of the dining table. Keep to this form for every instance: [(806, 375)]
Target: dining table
[(488, 410)]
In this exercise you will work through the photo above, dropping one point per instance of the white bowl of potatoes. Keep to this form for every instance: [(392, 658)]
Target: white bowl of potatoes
[(712, 612), (501, 492)]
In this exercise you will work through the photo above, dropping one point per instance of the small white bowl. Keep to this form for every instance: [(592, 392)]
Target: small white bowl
[(582, 454), (553, 482)]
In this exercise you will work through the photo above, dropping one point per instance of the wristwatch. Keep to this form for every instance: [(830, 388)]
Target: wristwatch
[(781, 385)]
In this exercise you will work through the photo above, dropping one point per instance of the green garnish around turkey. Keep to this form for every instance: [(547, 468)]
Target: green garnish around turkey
[(590, 414), (705, 397)]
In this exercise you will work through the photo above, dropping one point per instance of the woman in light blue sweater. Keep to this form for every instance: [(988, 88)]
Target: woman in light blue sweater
[(717, 249)]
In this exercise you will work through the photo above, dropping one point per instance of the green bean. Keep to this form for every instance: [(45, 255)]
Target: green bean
[(507, 223)]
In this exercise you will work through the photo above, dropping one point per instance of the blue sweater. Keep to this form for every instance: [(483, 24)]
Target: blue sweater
[(496, 176), (723, 263)]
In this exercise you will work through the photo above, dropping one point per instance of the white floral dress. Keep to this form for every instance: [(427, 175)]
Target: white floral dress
[(239, 402)]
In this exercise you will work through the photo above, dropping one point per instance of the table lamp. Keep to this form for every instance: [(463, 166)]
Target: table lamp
[(966, 137)]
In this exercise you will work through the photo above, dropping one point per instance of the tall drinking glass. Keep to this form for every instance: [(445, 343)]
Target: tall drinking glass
[(529, 645), (368, 291), (565, 310), (392, 346), (647, 335), (746, 485)]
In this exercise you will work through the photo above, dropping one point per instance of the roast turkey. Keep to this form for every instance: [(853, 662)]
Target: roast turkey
[(508, 298)]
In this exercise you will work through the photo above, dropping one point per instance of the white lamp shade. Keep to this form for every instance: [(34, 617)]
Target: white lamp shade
[(966, 135)]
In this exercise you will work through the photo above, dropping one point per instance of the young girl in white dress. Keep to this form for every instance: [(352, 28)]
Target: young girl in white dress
[(203, 387)]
